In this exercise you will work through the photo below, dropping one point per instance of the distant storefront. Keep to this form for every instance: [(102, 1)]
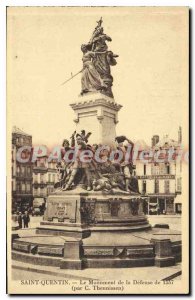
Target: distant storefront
[(21, 202), (178, 204), (159, 205)]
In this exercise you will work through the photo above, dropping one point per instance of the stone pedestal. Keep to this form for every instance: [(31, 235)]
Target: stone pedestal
[(163, 252), (72, 255), (98, 114), (96, 230), (77, 214)]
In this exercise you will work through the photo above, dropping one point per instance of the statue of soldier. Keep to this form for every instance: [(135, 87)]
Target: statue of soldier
[(126, 165), (78, 164), (62, 166), (134, 186)]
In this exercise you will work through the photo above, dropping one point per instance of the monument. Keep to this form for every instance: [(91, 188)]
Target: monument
[(95, 218), (99, 114), (96, 109)]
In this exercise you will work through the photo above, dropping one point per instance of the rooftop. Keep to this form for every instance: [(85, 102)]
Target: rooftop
[(166, 142), (19, 131)]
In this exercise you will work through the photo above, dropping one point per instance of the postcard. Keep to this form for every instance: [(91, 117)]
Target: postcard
[(98, 147)]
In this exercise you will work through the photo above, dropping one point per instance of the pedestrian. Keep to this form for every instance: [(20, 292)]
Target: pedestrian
[(26, 219), (158, 209), (20, 220)]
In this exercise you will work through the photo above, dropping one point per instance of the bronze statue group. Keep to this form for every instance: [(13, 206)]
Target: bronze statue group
[(103, 174), (109, 175)]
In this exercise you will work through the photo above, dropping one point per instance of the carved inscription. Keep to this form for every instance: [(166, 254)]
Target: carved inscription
[(144, 251), (59, 210), (50, 250), (21, 247), (101, 252)]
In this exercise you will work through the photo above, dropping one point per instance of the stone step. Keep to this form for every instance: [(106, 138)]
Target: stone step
[(36, 259)]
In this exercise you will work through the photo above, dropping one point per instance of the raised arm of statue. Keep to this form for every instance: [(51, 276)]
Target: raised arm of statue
[(103, 37), (130, 142), (107, 38), (111, 58)]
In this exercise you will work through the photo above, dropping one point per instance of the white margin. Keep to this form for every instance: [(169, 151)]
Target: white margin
[(3, 4)]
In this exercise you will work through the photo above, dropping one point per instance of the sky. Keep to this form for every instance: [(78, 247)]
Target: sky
[(150, 78)]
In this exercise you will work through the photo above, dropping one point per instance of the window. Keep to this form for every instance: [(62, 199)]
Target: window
[(23, 187), (156, 186), (179, 184), (49, 190), (42, 177), (49, 177), (43, 192), (18, 170), (23, 170), (155, 170), (162, 169), (144, 186), (18, 187), (144, 169), (28, 187), (35, 192), (167, 169), (35, 177), (166, 186), (152, 169), (42, 162), (27, 141), (53, 177)]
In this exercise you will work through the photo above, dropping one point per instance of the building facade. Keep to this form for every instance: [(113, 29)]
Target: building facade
[(162, 180), (158, 181), (21, 172), (44, 177), (155, 140)]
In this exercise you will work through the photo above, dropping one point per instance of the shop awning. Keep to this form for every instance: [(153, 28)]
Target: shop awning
[(38, 201), (153, 204)]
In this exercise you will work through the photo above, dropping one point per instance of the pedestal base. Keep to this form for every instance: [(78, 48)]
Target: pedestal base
[(92, 230), (164, 261), (98, 114), (105, 250)]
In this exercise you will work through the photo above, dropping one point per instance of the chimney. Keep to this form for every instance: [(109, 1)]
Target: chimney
[(179, 135), (155, 140)]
